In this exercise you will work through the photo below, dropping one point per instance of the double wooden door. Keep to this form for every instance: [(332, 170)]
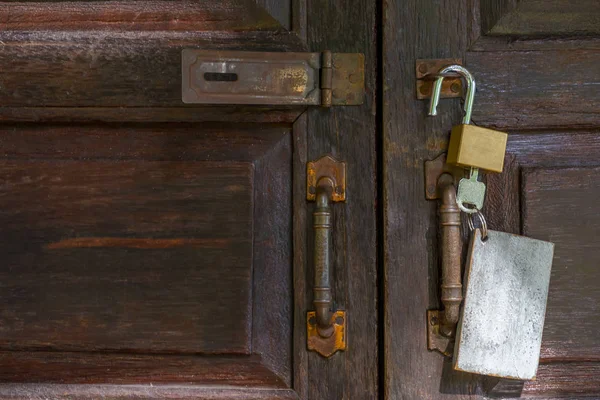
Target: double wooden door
[(156, 249)]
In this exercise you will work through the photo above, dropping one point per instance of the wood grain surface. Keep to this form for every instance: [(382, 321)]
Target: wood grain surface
[(127, 15), (543, 90)]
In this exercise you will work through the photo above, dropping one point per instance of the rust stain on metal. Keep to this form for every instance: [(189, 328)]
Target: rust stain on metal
[(426, 72), (433, 170), (326, 167), (348, 79), (238, 77), (435, 340), (136, 243), (330, 345)]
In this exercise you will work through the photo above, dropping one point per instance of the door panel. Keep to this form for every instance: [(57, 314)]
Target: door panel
[(167, 249), (535, 66)]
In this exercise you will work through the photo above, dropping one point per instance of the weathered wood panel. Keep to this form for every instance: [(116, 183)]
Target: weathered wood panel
[(410, 261), (118, 255), (127, 15), (536, 89), (97, 368), (100, 69), (348, 133), (136, 141), (541, 17), (150, 392), (561, 205)]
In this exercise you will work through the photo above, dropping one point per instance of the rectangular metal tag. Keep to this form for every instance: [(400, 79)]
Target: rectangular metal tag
[(506, 281)]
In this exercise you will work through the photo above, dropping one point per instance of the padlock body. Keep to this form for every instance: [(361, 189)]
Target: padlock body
[(474, 146)]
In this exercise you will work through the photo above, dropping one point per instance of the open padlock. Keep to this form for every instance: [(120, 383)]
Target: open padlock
[(470, 145), (499, 332)]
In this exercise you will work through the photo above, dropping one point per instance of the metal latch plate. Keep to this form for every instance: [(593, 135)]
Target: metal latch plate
[(326, 346), (240, 77)]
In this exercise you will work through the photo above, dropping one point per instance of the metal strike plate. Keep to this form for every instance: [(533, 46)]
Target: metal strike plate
[(326, 167), (326, 346), (240, 77), (433, 170), (435, 340), (426, 73)]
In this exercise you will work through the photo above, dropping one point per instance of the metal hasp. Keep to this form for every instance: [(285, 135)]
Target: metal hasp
[(426, 72), (441, 325), (239, 77), (326, 183)]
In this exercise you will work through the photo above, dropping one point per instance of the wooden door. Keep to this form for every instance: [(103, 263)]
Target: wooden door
[(153, 249), (536, 68)]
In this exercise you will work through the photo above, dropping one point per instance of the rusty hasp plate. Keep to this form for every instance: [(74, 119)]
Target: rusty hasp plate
[(330, 345), (240, 77), (426, 73)]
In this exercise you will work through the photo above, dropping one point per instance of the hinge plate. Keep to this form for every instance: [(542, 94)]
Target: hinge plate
[(240, 77)]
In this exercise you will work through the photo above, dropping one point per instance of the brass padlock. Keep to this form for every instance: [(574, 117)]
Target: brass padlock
[(470, 145), (477, 147)]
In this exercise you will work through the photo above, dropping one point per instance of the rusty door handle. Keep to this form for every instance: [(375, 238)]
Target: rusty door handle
[(451, 255), (441, 324), (326, 183), (322, 229)]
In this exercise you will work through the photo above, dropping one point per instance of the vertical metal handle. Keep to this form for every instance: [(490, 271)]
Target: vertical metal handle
[(322, 228), (326, 184), (451, 255)]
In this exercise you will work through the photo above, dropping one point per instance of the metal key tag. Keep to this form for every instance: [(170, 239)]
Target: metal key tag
[(506, 280)]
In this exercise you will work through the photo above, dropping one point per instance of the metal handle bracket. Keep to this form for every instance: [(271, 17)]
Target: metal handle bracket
[(440, 182), (326, 183)]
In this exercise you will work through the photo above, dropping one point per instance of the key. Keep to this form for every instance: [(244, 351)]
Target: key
[(471, 192)]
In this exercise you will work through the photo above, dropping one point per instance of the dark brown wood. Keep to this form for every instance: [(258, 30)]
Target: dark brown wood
[(262, 153), (565, 380), (138, 141), (98, 368), (509, 97), (86, 266), (532, 87), (178, 228), (272, 328), (104, 69), (154, 15), (540, 17), (150, 392), (225, 114), (349, 134), (410, 275)]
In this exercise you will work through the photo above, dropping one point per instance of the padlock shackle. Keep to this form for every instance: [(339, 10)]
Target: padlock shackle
[(437, 90)]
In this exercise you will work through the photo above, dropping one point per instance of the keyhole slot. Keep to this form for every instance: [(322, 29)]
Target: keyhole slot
[(220, 76)]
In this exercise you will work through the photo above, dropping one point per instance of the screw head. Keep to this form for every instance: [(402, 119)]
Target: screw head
[(312, 190), (338, 190), (455, 87), (423, 68)]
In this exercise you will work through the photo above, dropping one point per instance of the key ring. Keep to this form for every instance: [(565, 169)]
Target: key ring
[(482, 222)]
